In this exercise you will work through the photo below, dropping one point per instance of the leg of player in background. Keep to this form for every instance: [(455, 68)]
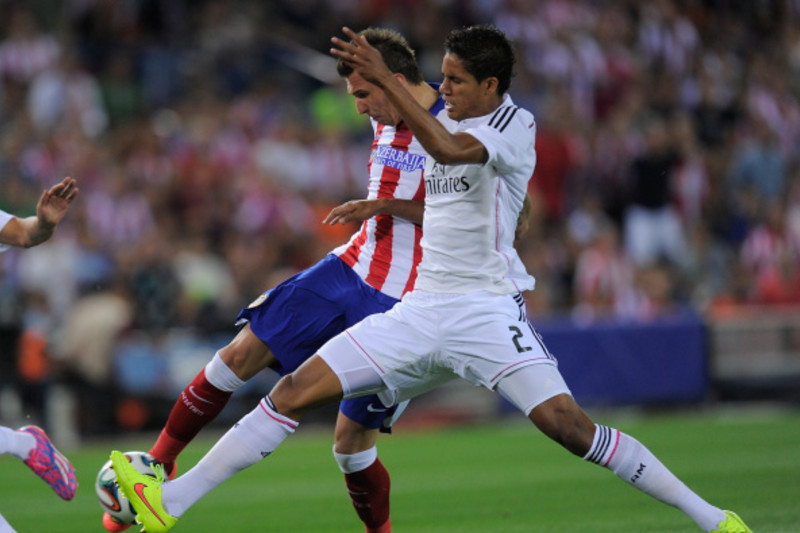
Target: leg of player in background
[(258, 434), (560, 418), (204, 398), (15, 442), (208, 393), (367, 480), (32, 445)]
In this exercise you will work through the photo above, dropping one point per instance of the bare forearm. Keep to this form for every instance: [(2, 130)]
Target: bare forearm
[(443, 146), (38, 231), (26, 232), (411, 210), (361, 210), (434, 137)]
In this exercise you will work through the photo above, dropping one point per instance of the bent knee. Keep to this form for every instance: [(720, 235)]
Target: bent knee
[(564, 421), (310, 386), (286, 396)]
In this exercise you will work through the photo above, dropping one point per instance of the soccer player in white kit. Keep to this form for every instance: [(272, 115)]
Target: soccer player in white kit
[(465, 316), (30, 443), (369, 274)]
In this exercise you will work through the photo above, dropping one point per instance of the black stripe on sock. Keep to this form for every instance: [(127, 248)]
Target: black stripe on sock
[(602, 445)]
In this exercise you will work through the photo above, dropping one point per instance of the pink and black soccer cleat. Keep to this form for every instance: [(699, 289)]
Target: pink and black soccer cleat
[(50, 465)]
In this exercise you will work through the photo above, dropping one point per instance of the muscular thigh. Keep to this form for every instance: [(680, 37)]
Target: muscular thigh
[(399, 346), (489, 336), (299, 315)]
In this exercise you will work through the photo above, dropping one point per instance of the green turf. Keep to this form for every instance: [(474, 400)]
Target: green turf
[(490, 478)]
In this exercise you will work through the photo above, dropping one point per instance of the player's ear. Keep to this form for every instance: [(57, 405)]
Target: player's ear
[(490, 85)]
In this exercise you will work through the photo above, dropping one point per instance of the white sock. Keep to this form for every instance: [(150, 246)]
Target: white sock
[(5, 527), (251, 439), (632, 462), (221, 376), (355, 462), (17, 443)]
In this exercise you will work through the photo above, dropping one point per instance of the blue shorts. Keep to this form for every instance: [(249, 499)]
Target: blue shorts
[(301, 314)]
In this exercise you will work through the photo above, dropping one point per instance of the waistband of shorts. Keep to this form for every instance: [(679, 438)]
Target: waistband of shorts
[(424, 297)]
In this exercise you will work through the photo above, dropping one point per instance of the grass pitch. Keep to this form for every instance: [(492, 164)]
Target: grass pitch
[(487, 478)]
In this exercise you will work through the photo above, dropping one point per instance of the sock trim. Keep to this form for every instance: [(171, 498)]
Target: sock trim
[(614, 450), (350, 463), (269, 409), (221, 376), (604, 446)]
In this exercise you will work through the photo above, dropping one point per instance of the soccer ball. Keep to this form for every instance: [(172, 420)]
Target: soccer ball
[(108, 492)]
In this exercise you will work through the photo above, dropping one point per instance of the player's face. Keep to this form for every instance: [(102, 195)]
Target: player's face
[(463, 95), (370, 100)]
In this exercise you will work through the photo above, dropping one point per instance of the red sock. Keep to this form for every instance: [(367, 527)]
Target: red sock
[(199, 403), (369, 491)]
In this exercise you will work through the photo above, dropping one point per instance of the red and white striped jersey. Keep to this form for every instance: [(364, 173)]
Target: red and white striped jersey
[(386, 250)]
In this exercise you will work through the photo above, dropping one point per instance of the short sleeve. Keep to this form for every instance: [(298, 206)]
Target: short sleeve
[(509, 138)]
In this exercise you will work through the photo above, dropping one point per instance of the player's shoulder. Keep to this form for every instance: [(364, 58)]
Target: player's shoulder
[(510, 115)]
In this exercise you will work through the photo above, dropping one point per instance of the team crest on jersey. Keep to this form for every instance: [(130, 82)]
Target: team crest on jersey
[(394, 158), (258, 301)]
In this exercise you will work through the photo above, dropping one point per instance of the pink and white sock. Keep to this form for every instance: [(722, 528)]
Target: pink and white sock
[(17, 443), (251, 439), (632, 462)]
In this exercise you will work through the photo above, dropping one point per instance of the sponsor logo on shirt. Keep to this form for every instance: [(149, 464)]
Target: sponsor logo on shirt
[(394, 158), (435, 183)]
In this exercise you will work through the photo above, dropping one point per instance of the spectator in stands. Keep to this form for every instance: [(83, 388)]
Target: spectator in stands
[(653, 229), (604, 278)]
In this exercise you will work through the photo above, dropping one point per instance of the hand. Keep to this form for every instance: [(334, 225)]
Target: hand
[(362, 57), (54, 202), (352, 211)]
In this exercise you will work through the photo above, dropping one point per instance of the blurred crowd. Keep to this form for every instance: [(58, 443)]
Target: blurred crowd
[(210, 138)]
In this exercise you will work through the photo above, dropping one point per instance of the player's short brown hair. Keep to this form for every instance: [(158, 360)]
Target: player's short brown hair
[(395, 50)]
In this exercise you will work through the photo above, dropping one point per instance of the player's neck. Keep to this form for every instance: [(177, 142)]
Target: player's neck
[(424, 94)]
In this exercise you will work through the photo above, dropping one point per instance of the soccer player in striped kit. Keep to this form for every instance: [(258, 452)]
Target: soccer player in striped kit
[(465, 317), (30, 443), (369, 274)]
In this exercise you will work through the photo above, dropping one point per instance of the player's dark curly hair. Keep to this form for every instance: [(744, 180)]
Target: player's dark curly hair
[(485, 52), (396, 52)]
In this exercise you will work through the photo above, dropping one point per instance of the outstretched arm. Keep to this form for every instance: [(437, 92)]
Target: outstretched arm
[(443, 146), (50, 210), (361, 210)]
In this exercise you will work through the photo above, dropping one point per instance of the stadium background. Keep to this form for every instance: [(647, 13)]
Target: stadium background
[(210, 138)]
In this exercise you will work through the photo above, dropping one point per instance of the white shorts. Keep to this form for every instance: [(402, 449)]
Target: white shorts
[(428, 339)]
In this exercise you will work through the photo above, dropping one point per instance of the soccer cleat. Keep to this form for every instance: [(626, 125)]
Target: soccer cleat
[(115, 526), (144, 493), (50, 465), (732, 524)]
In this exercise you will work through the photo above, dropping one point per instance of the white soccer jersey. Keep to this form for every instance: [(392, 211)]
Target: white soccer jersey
[(471, 210), (386, 251), (4, 218)]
